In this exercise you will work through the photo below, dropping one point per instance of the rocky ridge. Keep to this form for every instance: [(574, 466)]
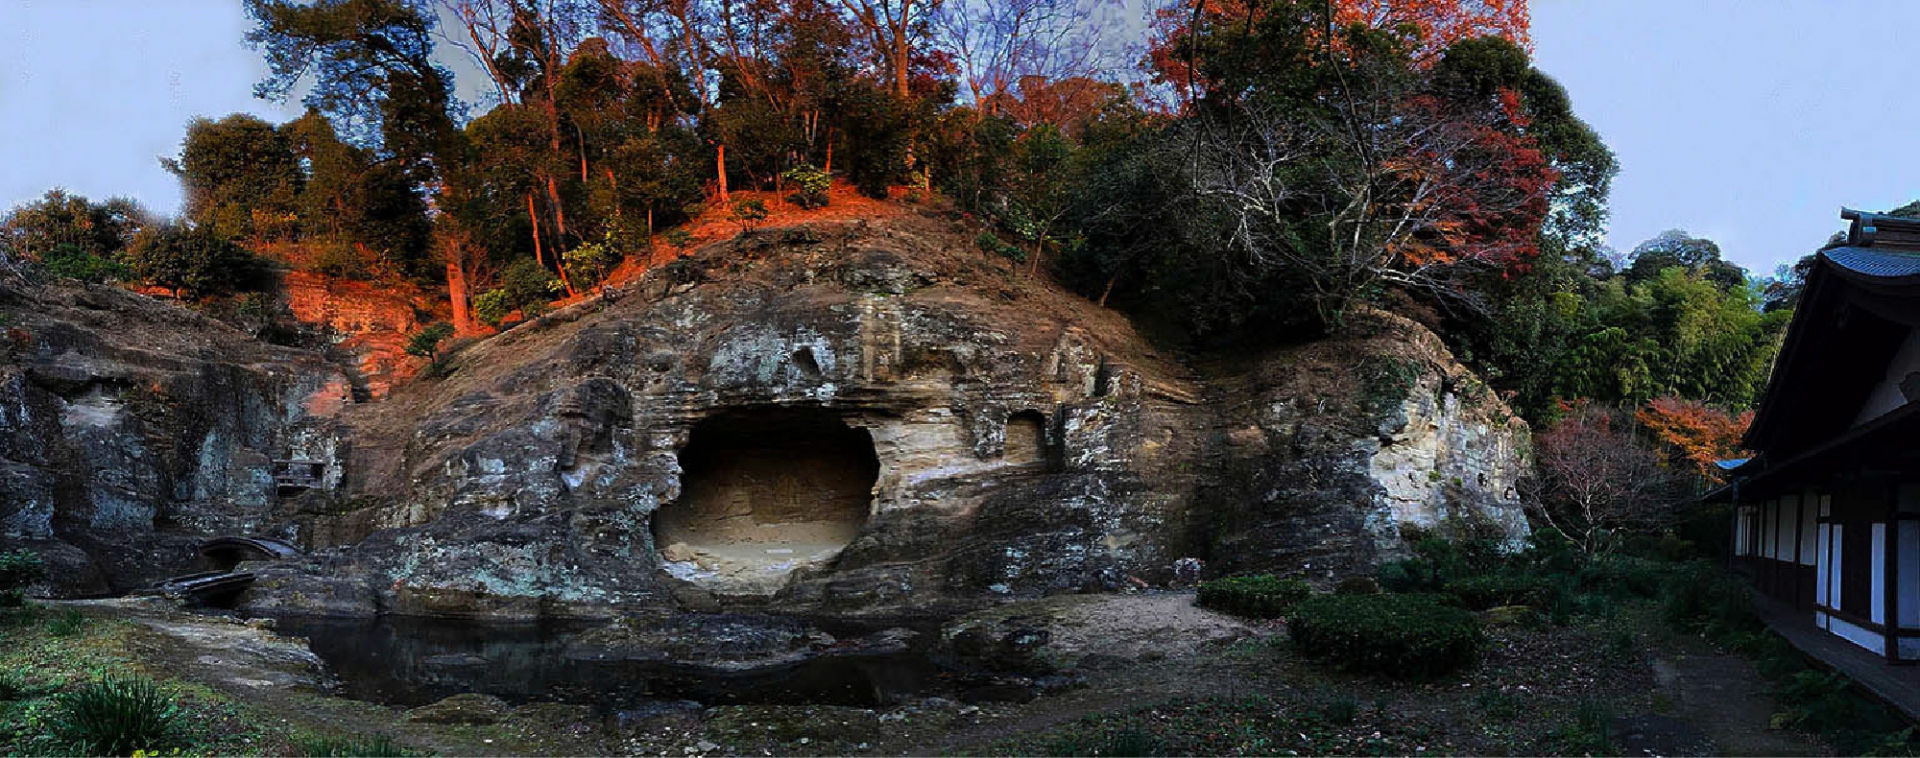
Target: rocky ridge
[(996, 437)]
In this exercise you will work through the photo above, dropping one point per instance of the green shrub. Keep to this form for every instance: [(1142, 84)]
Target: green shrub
[(1263, 596), (679, 239), (749, 211), (71, 622), (114, 717), (1493, 590), (377, 746), (12, 687), (426, 342), (589, 263), (1404, 636), (1623, 576), (75, 263), (1357, 585), (341, 262), (1125, 742), (991, 243), (810, 186), (492, 307), (1702, 598), (525, 286), (194, 262), (19, 568)]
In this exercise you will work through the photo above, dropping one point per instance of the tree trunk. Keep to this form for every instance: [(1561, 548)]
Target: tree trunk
[(1109, 289), (720, 152), (535, 218), (457, 292)]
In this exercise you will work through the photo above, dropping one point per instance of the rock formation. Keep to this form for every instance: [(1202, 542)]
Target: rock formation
[(867, 418)]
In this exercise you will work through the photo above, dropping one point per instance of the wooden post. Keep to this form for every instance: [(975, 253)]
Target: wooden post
[(1890, 579)]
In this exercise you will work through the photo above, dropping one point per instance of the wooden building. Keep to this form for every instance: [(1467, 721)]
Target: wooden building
[(1826, 515)]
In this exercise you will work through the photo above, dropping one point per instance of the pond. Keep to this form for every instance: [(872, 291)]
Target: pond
[(408, 662)]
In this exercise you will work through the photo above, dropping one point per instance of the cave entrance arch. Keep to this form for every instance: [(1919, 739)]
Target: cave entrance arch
[(763, 493)]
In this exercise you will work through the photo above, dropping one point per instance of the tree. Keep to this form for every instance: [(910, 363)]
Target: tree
[(426, 342), (1186, 68), (1676, 248), (368, 66), (998, 44), (894, 29), (1597, 480), (1365, 177), (240, 177), (1699, 434), (101, 230)]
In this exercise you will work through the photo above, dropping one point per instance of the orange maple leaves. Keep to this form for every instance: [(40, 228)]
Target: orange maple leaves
[(1700, 433)]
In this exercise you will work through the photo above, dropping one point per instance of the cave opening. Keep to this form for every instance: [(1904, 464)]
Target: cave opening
[(763, 493)]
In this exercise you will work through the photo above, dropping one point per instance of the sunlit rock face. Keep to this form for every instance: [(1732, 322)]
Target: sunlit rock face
[(860, 420)]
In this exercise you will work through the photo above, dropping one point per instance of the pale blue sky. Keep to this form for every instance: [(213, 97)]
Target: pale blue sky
[(1748, 121)]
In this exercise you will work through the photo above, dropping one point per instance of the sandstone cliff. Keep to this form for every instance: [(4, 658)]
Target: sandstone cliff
[(858, 418)]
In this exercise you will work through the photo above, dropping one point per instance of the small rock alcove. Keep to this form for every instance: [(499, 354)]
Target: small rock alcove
[(1026, 441), (763, 493)]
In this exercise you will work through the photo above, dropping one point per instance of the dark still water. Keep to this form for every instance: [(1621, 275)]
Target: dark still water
[(414, 661)]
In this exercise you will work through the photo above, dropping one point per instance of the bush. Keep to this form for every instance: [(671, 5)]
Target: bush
[(114, 717), (592, 262), (810, 186), (1493, 590), (18, 569), (193, 262), (1403, 636), (991, 243), (749, 211), (1704, 599), (679, 239), (426, 342), (75, 263), (525, 286), (1263, 596), (1622, 576)]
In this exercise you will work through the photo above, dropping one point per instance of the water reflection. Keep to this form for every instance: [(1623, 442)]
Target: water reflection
[(414, 661)]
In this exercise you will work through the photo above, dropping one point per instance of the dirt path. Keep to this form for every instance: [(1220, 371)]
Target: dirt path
[(1722, 695)]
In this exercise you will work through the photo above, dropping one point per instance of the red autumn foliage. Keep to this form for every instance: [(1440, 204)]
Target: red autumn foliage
[(1699, 433), (1597, 480), (1435, 23)]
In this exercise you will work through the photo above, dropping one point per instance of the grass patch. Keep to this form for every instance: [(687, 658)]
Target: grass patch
[(114, 716), (70, 623), (375, 746)]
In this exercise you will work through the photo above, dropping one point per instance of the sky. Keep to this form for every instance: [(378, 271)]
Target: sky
[(1750, 122)]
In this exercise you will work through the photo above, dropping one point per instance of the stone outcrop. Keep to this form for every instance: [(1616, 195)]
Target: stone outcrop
[(865, 419), (1336, 452), (129, 426)]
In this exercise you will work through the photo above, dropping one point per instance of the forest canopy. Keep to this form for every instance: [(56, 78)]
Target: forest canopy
[(1227, 170)]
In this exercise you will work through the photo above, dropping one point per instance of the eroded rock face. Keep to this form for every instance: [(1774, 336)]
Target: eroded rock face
[(131, 429), (862, 420), (1334, 453)]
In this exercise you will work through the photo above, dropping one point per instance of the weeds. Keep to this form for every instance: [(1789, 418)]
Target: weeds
[(376, 746), (70, 623), (114, 717)]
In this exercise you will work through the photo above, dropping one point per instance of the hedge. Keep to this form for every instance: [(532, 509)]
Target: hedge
[(1263, 596), (1403, 636)]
